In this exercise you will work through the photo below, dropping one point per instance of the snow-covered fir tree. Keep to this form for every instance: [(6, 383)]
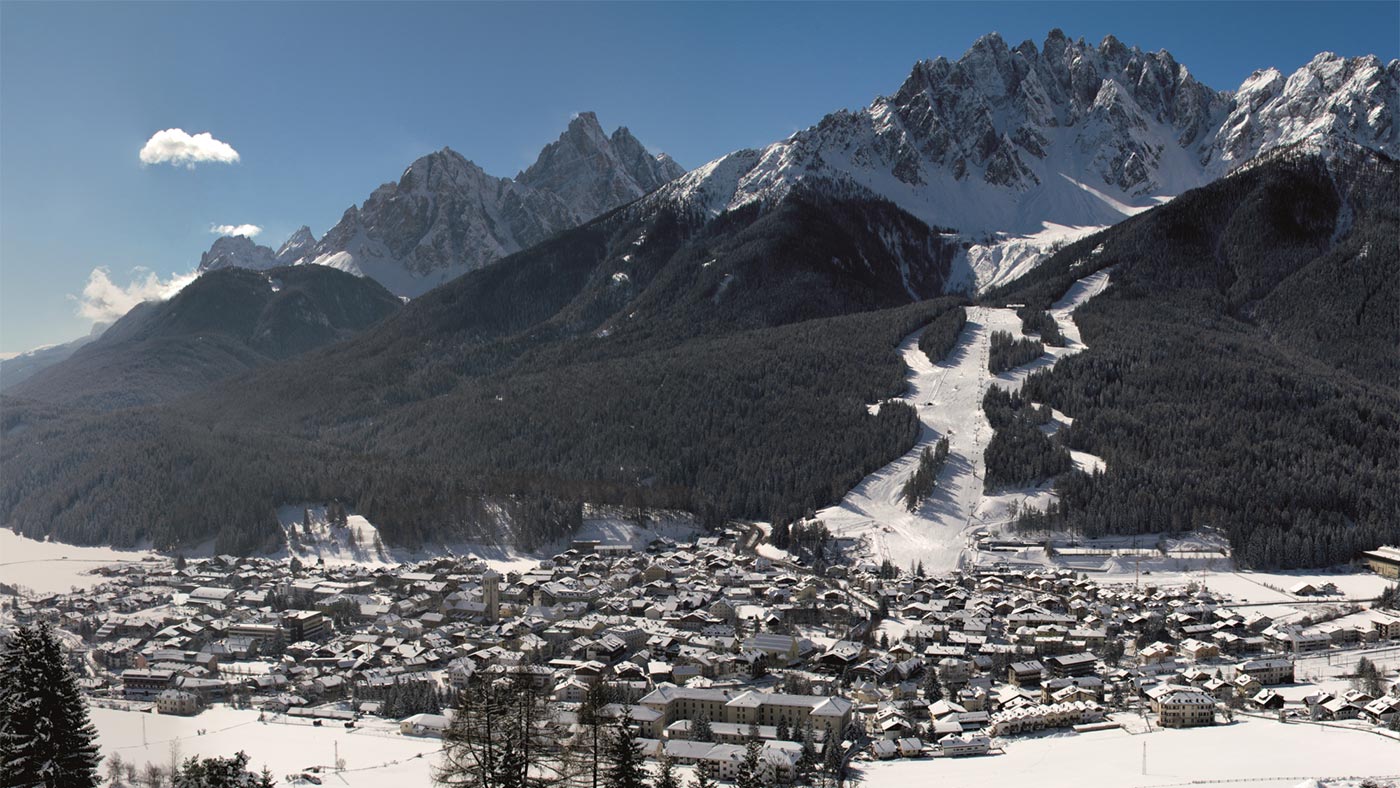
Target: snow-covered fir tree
[(46, 738)]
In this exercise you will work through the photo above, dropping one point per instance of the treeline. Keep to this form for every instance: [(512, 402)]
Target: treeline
[(941, 335), (1209, 386), (1019, 453), (922, 481), (405, 698), (1039, 321), (1009, 353), (804, 537)]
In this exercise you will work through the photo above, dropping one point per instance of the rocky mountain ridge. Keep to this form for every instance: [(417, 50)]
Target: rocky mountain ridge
[(446, 215), (1064, 137)]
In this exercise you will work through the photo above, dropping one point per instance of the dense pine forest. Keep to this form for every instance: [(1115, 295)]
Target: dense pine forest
[(941, 336), (768, 423), (224, 323), (1042, 323), (1242, 367), (1008, 353), (1019, 452)]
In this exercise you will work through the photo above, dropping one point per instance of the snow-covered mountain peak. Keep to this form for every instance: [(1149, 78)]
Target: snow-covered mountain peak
[(1330, 103), (236, 251), (1026, 141), (593, 172), (1001, 139), (446, 215), (296, 247)]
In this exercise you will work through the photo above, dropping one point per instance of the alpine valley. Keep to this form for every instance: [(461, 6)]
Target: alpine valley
[(465, 356)]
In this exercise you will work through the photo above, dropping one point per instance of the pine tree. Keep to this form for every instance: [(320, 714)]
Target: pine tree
[(220, 773), (46, 738), (624, 758), (832, 761), (751, 768), (666, 772), (703, 778), (700, 729), (808, 761)]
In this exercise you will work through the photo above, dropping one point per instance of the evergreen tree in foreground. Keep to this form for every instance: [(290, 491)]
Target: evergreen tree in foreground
[(624, 758), (703, 778), (666, 773), (46, 738), (751, 768), (220, 773)]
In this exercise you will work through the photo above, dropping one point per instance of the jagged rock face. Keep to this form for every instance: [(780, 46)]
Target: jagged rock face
[(236, 251), (297, 247), (1330, 103), (447, 216), (1017, 139), (443, 217), (593, 173)]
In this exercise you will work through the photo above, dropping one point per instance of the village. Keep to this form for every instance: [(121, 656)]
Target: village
[(705, 645)]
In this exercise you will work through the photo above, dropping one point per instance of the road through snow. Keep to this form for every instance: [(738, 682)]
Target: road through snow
[(948, 398)]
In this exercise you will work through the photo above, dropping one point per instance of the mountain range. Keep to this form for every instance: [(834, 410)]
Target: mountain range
[(446, 216), (607, 327), (1006, 143)]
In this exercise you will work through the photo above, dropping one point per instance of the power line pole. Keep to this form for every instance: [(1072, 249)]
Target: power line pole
[(1144, 758)]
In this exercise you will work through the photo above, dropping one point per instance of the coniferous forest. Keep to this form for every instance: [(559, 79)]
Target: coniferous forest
[(1019, 452), (1242, 367), (728, 373), (941, 336), (1008, 353), (1041, 322)]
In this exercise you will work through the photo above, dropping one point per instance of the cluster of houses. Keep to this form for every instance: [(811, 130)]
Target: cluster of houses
[(703, 647)]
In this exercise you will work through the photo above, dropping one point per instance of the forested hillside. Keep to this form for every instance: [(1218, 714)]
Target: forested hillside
[(224, 323), (638, 358), (1242, 370)]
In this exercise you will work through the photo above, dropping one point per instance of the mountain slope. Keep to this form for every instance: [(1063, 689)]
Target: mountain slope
[(1241, 371), (225, 322), (720, 338), (24, 366)]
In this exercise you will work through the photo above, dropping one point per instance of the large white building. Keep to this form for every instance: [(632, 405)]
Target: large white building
[(829, 714), (1182, 707)]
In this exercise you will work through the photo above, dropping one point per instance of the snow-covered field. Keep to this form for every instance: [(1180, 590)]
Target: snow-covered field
[(51, 567), (615, 525), (1250, 752), (948, 398), (375, 756)]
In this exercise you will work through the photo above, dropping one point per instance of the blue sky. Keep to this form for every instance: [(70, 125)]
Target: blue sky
[(325, 101)]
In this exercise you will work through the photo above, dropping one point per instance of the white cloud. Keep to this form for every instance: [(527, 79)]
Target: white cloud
[(103, 301), (245, 230), (176, 146)]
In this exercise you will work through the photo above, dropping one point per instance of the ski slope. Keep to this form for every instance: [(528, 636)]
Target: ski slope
[(948, 399)]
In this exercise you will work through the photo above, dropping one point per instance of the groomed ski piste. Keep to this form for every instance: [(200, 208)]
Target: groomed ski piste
[(948, 399)]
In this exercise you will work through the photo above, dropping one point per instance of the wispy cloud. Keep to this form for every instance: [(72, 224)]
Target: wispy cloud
[(103, 301), (178, 147), (245, 230)]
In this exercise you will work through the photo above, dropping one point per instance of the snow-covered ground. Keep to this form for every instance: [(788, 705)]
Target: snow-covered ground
[(374, 754), (616, 525), (1249, 752), (51, 567), (948, 398), (1001, 259), (358, 541)]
